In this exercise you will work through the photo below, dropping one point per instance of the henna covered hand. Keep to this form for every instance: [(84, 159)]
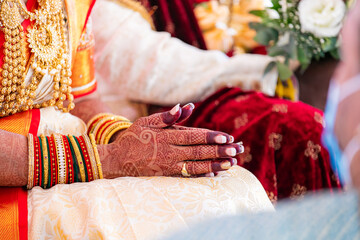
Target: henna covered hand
[(154, 146)]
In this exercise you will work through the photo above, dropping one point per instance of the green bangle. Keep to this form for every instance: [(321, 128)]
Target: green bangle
[(49, 159), (83, 159), (76, 168), (42, 163)]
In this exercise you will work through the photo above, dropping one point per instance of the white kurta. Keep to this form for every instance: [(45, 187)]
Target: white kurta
[(143, 65)]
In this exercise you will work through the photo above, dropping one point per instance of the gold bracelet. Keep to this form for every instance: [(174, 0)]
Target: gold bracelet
[(94, 120), (46, 160), (91, 156), (97, 157), (31, 161), (61, 159), (113, 129), (79, 159), (92, 123), (102, 124)]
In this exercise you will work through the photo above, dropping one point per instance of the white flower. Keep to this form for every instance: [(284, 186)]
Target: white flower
[(323, 18)]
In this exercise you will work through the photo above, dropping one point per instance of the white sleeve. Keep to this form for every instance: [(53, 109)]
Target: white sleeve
[(152, 67)]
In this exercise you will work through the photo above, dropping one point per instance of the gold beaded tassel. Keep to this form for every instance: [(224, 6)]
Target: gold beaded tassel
[(48, 43), (14, 60)]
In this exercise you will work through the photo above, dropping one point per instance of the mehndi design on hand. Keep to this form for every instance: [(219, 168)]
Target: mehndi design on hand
[(154, 146)]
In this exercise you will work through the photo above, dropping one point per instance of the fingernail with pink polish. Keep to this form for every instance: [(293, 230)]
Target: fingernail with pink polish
[(231, 151), (175, 109), (220, 139), (226, 165), (231, 140), (234, 161), (190, 105), (241, 145)]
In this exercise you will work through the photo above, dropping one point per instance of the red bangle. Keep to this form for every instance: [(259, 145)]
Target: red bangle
[(37, 168), (53, 158), (86, 157), (101, 130), (94, 123), (69, 159)]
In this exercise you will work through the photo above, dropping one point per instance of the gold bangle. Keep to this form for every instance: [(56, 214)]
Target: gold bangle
[(46, 160), (31, 161), (91, 156), (93, 121), (113, 129), (102, 124), (97, 157), (61, 159), (78, 157)]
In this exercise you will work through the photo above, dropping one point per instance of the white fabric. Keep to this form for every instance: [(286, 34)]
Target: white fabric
[(147, 66), (54, 121), (140, 208)]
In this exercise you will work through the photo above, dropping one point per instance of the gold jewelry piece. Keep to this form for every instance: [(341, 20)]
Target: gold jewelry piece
[(97, 157), (49, 56), (105, 138), (91, 156), (94, 121), (184, 171), (60, 151), (101, 124), (78, 157), (31, 161), (46, 160)]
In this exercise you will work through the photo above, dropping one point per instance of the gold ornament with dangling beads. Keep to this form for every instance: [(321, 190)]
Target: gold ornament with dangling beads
[(48, 44)]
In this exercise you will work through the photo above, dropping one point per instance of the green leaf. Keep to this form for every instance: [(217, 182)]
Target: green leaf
[(329, 44), (265, 35), (335, 53), (278, 51), (260, 13), (257, 26), (284, 71), (292, 47), (302, 56), (270, 67), (276, 4)]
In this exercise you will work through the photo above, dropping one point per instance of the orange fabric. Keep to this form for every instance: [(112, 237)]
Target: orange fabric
[(18, 123), (13, 213), (13, 201), (78, 13), (83, 71)]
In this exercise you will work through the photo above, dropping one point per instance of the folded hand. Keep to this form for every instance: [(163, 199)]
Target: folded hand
[(155, 146)]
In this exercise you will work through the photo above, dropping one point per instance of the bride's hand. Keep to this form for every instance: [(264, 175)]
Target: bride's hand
[(154, 146)]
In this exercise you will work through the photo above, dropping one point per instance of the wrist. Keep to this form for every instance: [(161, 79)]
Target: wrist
[(109, 165), (116, 135)]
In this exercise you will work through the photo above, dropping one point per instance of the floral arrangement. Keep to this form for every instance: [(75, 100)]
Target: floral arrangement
[(225, 24), (299, 30)]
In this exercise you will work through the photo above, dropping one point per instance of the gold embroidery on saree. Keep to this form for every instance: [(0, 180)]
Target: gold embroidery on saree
[(275, 140), (312, 150)]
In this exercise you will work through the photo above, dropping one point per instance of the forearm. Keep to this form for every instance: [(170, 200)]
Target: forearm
[(13, 159), (150, 69)]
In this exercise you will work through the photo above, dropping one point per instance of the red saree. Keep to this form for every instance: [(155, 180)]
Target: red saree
[(282, 139)]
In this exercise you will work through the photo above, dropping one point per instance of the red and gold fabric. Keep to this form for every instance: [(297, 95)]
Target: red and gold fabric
[(13, 201), (282, 139)]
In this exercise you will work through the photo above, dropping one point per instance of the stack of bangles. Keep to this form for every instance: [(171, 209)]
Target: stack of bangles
[(105, 125), (60, 159)]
